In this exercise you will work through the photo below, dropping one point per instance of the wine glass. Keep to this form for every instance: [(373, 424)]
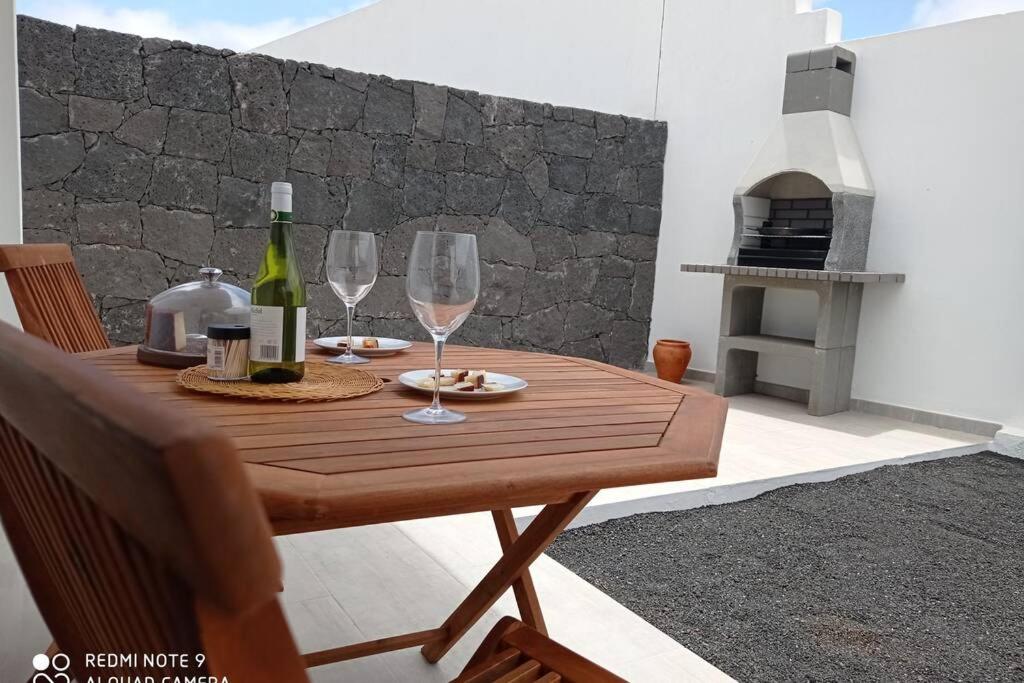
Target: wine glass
[(351, 270), (442, 285)]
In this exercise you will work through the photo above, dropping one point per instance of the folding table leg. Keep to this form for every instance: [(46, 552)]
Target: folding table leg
[(526, 594), (517, 558)]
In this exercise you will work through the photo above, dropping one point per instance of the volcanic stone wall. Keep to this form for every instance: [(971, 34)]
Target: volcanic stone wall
[(154, 157)]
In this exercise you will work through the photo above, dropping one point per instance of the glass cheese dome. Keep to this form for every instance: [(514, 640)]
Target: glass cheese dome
[(177, 319)]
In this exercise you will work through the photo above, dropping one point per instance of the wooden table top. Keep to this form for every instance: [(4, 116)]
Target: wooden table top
[(580, 426)]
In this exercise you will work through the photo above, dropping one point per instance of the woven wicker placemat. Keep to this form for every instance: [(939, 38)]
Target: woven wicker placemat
[(320, 383)]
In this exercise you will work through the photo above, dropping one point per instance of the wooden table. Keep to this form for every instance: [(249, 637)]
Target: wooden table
[(580, 426)]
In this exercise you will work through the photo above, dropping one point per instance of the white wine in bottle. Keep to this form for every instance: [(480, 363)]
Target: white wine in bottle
[(277, 349)]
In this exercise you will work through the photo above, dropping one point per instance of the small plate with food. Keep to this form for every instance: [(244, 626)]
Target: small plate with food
[(470, 384), (370, 347)]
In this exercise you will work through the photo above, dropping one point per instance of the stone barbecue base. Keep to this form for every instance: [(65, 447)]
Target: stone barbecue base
[(832, 351)]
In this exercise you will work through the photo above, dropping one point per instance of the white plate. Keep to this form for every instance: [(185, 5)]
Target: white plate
[(512, 384), (388, 347)]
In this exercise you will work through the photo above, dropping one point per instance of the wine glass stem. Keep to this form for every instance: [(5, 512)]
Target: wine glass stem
[(438, 349), (349, 311)]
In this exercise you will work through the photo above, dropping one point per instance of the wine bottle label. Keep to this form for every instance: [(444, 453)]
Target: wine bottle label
[(300, 334), (266, 325)]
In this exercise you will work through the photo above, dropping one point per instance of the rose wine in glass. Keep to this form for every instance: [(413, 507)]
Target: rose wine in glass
[(352, 271), (443, 283)]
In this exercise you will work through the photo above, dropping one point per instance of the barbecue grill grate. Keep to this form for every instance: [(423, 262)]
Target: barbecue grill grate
[(797, 234)]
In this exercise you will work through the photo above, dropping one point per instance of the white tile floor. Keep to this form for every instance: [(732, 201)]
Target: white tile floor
[(770, 442), (356, 584)]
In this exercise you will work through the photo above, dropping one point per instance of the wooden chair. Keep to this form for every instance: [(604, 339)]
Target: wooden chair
[(50, 297), (136, 528), (515, 653)]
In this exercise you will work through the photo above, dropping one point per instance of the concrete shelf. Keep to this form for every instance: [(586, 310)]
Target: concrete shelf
[(783, 346), (831, 353), (863, 277)]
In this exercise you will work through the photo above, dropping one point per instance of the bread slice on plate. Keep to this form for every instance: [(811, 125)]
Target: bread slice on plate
[(428, 382)]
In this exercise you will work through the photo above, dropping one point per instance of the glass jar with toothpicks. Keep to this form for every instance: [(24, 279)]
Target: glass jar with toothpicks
[(227, 352)]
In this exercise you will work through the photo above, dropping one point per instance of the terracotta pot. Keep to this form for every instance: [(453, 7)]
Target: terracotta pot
[(671, 358)]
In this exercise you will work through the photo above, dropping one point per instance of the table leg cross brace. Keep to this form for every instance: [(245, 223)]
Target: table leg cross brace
[(513, 563), (511, 570), (526, 594)]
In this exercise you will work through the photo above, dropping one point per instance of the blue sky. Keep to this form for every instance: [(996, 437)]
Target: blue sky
[(863, 18), (243, 24), (237, 24), (873, 17)]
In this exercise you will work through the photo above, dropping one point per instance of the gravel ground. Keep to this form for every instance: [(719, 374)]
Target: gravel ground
[(908, 573)]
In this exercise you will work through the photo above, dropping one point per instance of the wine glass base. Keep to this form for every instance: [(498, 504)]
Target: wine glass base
[(348, 360), (430, 416)]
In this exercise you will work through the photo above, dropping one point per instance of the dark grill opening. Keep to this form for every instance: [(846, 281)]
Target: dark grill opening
[(797, 234)]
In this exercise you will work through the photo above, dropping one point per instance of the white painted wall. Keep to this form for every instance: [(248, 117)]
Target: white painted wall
[(941, 121), (10, 147), (598, 54), (938, 112)]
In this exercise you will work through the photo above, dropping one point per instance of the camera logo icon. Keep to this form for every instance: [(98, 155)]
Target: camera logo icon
[(51, 669)]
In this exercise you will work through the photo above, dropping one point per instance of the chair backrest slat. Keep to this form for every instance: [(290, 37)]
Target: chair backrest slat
[(50, 298), (133, 525)]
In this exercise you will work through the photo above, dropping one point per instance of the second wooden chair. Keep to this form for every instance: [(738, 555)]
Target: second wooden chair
[(50, 297)]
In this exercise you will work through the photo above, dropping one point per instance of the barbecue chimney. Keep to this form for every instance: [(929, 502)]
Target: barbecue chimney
[(807, 199)]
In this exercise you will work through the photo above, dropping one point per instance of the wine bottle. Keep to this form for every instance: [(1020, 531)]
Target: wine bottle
[(277, 348)]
